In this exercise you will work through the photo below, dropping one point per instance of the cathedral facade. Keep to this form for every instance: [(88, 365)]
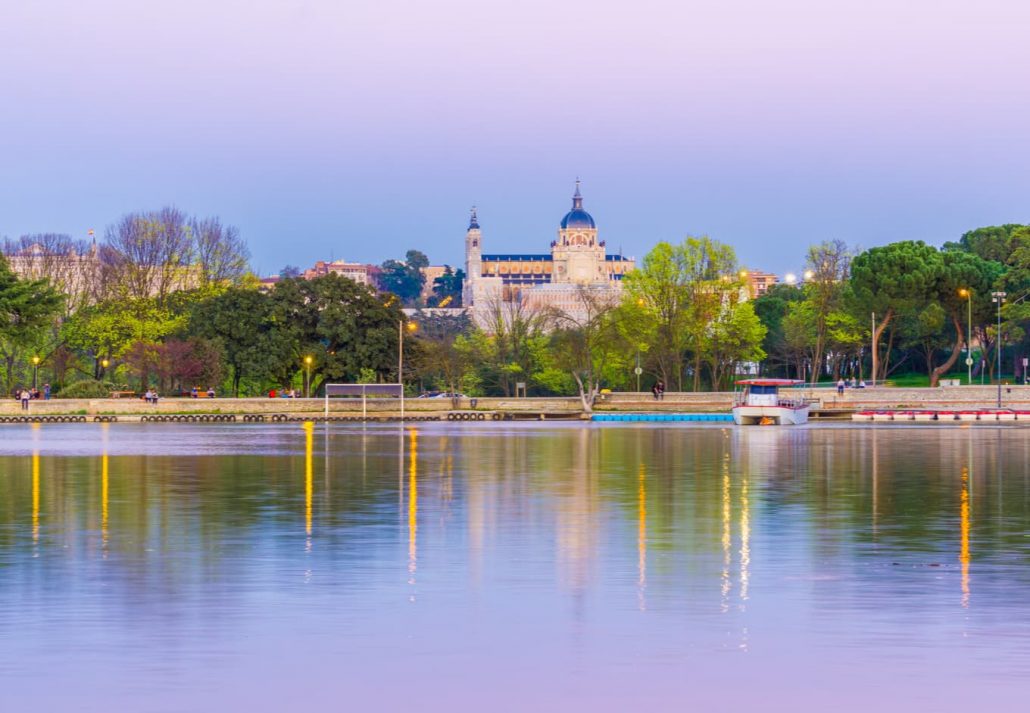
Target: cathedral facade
[(546, 280)]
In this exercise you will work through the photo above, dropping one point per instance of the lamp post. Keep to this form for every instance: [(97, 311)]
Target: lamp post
[(968, 294), (999, 297), (307, 382), (411, 327), (35, 370)]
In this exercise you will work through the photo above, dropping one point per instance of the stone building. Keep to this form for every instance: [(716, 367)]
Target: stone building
[(577, 260)]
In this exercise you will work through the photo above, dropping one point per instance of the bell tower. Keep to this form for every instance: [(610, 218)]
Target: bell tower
[(473, 257)]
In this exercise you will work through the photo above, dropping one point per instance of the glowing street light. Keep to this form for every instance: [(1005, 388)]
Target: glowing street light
[(999, 297), (790, 278), (968, 294), (809, 274), (35, 370), (307, 384)]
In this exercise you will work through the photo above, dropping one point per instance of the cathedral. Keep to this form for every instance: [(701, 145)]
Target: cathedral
[(547, 280)]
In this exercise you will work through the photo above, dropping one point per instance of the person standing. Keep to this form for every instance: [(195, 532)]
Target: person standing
[(840, 387), (24, 395), (46, 392)]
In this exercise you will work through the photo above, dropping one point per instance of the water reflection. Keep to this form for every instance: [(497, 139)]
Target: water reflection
[(412, 506), (563, 552), (642, 536)]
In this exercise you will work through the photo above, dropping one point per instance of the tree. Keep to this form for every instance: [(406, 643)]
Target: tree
[(990, 243), (586, 341), (680, 289), (829, 266), (736, 338), (404, 279), (438, 360), (240, 321), (220, 254), (342, 325), (448, 287), (891, 279), (148, 255), (290, 271), (771, 308), (183, 363), (27, 307), (108, 329)]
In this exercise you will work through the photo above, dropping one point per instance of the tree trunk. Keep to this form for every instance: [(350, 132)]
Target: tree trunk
[(877, 333), (587, 393), (935, 375)]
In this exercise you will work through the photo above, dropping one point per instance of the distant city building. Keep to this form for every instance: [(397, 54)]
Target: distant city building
[(549, 280), (76, 272), (431, 273), (759, 282), (358, 272)]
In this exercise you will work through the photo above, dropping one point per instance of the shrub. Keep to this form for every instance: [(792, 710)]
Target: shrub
[(88, 389)]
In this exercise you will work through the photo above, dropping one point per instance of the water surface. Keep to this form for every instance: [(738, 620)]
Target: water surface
[(159, 567)]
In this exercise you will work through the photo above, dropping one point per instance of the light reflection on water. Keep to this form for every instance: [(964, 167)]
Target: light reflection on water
[(512, 566)]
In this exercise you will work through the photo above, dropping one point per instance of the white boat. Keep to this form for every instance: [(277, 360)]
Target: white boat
[(759, 402)]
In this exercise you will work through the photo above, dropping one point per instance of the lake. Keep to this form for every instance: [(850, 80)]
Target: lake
[(501, 566)]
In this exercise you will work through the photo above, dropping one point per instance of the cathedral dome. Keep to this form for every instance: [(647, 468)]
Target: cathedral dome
[(577, 217)]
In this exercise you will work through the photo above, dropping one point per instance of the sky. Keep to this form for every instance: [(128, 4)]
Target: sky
[(358, 129)]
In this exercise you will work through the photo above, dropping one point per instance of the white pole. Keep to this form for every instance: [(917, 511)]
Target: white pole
[(872, 338), (327, 401), (364, 404), (400, 362)]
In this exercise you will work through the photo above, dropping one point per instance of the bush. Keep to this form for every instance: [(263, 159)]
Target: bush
[(88, 389)]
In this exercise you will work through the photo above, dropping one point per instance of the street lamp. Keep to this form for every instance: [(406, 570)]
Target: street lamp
[(968, 294), (307, 384), (791, 279), (401, 326), (809, 274), (999, 297), (35, 370)]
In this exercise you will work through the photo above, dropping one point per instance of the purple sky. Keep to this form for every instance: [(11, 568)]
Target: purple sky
[(358, 129)]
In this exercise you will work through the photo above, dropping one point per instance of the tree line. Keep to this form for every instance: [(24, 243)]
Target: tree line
[(166, 300)]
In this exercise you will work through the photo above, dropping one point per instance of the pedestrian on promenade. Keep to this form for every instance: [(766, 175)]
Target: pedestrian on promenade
[(46, 392), (24, 396), (210, 392), (840, 387), (193, 392), (661, 390), (656, 390)]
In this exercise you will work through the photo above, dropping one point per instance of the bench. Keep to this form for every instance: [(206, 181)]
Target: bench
[(121, 394)]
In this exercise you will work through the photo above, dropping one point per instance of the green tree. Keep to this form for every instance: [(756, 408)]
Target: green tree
[(828, 266), (736, 338), (27, 308), (240, 321), (586, 343), (344, 326), (890, 280), (681, 289), (771, 308), (447, 288), (404, 279)]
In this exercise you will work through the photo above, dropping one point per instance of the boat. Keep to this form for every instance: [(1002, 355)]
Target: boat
[(758, 402)]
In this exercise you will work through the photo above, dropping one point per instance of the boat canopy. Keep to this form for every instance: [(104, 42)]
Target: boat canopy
[(771, 382)]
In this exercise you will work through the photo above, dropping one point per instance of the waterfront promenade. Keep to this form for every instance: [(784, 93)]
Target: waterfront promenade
[(826, 400)]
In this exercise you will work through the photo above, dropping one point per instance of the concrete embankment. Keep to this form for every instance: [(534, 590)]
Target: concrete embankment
[(826, 400)]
